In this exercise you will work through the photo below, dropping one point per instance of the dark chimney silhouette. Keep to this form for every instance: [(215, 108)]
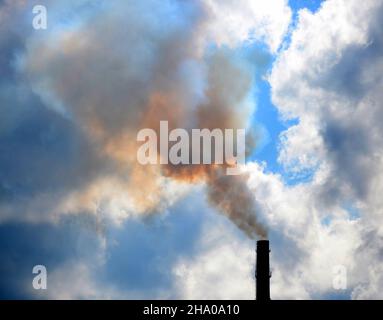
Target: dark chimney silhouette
[(262, 272)]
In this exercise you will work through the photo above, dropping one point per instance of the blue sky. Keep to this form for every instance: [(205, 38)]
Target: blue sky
[(267, 117)]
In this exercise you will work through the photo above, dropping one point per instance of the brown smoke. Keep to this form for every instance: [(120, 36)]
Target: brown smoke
[(229, 194), (132, 78)]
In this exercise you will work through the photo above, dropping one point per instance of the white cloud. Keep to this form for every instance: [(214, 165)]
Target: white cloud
[(304, 249), (223, 268), (330, 78), (234, 22)]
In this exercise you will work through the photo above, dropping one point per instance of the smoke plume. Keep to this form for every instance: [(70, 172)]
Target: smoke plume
[(120, 71)]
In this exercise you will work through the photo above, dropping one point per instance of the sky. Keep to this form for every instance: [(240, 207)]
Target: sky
[(304, 77)]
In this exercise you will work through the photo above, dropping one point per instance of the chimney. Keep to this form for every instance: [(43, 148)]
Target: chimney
[(262, 272)]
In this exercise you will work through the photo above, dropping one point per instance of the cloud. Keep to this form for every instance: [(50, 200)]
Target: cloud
[(222, 269), (234, 22), (130, 261), (329, 78)]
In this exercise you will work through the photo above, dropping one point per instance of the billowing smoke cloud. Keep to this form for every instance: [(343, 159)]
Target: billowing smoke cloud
[(119, 69)]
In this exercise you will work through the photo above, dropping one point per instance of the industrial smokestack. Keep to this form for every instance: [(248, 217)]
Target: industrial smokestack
[(262, 272)]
